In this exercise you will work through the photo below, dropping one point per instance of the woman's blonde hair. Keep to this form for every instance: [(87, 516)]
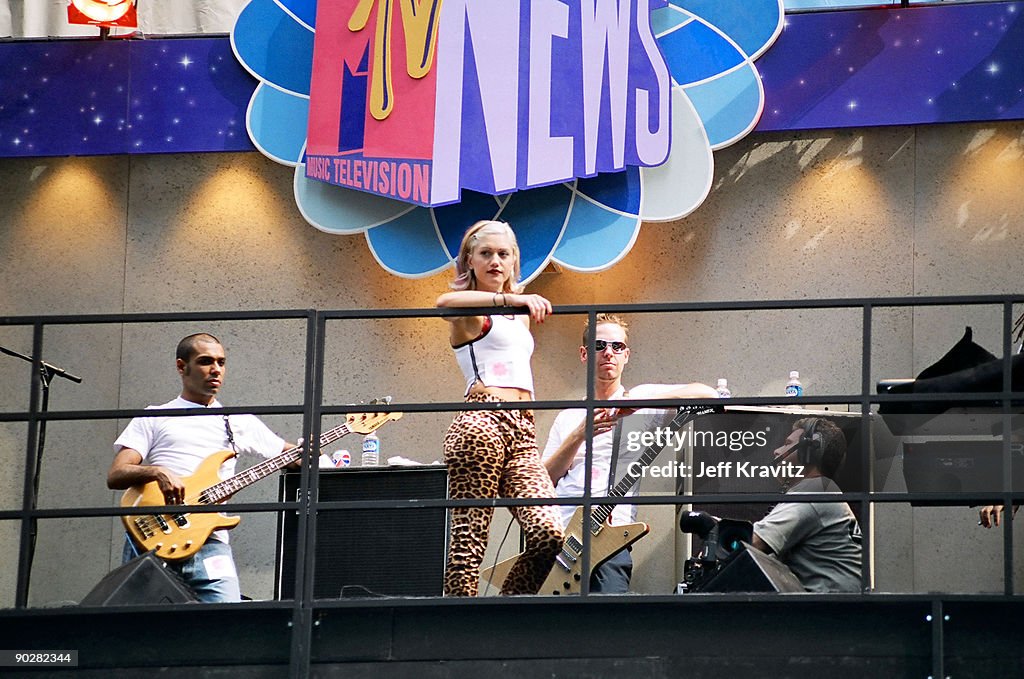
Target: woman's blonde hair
[(464, 277)]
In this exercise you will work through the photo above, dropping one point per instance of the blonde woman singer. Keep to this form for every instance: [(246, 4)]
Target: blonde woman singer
[(492, 453)]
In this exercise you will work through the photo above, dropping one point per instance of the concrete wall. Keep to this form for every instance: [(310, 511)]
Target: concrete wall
[(881, 212)]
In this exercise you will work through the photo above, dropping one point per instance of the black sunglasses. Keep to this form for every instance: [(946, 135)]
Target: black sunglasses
[(617, 347)]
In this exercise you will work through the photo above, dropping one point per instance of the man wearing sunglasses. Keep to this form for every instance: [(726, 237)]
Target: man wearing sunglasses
[(565, 453)]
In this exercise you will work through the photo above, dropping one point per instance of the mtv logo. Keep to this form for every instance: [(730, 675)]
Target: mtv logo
[(421, 99)]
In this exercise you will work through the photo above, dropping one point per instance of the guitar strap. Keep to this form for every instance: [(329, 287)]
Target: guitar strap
[(616, 440), (231, 434)]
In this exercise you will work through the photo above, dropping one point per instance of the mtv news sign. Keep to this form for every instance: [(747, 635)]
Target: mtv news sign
[(419, 99)]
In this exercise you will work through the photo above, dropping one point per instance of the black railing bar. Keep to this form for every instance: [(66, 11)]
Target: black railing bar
[(1007, 346), (158, 607), (302, 616), (974, 497), (700, 598), (440, 406), (693, 599), (785, 305), (1007, 462), (345, 505), (159, 317), (29, 499), (190, 608), (953, 499), (781, 401), (656, 307), (588, 442), (443, 503), (89, 512), (961, 497), (126, 413), (864, 451), (294, 314), (654, 500), (278, 507), (454, 406), (687, 600)]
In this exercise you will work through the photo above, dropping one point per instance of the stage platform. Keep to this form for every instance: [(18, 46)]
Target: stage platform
[(639, 637)]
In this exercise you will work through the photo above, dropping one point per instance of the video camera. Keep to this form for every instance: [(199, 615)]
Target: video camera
[(722, 538)]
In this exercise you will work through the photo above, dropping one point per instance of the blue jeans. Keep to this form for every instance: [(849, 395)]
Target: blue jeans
[(612, 577), (220, 588)]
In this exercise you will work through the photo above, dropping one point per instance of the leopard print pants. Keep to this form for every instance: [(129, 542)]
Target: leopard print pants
[(492, 453)]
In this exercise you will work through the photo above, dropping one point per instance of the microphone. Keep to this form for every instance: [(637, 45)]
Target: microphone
[(700, 523), (50, 368)]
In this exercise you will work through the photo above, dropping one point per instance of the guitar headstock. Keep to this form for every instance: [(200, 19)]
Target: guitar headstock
[(364, 423)]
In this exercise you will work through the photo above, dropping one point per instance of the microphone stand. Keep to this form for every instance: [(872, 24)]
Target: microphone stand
[(47, 372)]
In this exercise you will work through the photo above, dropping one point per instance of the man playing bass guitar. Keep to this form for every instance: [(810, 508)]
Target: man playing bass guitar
[(166, 450), (190, 460)]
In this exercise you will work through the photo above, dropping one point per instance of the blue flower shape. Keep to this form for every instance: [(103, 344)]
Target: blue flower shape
[(584, 225)]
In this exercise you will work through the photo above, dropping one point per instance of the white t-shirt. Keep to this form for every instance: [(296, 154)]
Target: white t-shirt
[(571, 485), (182, 443)]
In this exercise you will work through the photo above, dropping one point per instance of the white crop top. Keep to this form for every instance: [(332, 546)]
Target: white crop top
[(500, 356)]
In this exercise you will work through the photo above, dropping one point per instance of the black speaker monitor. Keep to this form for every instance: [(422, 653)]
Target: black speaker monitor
[(960, 466), (143, 580), (751, 570), (395, 552)]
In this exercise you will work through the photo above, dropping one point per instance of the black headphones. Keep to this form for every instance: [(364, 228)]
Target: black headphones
[(809, 449)]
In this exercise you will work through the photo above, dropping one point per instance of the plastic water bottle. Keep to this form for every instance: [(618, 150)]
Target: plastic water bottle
[(794, 387), (342, 458), (723, 388), (371, 450)]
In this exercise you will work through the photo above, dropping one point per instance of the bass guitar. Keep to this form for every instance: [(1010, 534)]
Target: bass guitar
[(179, 535)]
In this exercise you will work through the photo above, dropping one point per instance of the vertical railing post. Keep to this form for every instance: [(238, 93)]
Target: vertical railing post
[(866, 459), (29, 499), (302, 610)]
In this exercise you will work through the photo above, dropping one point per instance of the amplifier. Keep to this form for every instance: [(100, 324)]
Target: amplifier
[(393, 552), (960, 467)]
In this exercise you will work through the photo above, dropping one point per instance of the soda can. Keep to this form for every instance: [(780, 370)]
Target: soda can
[(342, 458)]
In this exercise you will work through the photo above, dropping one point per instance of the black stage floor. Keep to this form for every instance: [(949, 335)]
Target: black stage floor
[(639, 637)]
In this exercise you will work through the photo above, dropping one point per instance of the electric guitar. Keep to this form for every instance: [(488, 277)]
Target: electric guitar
[(606, 540), (177, 536)]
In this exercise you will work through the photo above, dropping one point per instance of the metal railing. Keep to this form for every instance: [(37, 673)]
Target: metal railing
[(312, 409)]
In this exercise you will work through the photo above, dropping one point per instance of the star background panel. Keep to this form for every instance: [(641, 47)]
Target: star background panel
[(190, 89), (106, 97), (954, 63), (63, 98)]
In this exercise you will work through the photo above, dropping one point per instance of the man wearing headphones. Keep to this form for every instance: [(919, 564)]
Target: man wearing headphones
[(818, 541)]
